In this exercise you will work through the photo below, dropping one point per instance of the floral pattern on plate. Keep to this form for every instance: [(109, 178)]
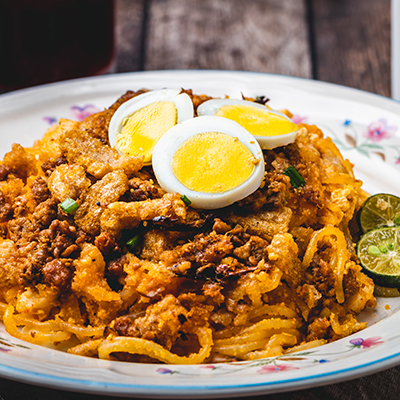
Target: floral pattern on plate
[(378, 137), (6, 344), (283, 362), (78, 113)]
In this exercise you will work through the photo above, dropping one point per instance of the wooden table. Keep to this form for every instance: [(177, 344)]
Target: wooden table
[(340, 41)]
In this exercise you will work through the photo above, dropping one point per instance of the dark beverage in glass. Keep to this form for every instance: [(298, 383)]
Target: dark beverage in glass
[(45, 41)]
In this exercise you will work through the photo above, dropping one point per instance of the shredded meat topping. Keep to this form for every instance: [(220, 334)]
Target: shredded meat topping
[(6, 209), (4, 171), (50, 165), (58, 272), (40, 191)]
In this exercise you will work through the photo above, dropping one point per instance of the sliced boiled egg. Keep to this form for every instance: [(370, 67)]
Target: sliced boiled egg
[(213, 161), (139, 123), (270, 128)]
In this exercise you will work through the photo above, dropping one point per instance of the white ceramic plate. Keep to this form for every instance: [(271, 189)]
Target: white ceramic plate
[(366, 127)]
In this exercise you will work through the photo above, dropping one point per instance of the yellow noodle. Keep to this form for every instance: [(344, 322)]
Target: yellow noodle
[(269, 352), (227, 332), (60, 325), (306, 346), (55, 324), (263, 334), (347, 326), (240, 339), (273, 323), (34, 337), (274, 346), (274, 310), (269, 281), (237, 350), (134, 345), (342, 253)]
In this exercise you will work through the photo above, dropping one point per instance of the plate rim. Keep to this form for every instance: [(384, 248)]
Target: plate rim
[(204, 391), (118, 76)]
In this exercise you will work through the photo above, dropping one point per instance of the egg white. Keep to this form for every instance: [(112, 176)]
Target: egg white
[(210, 107), (169, 143), (182, 102)]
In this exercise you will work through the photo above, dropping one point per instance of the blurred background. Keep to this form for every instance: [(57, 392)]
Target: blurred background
[(341, 41)]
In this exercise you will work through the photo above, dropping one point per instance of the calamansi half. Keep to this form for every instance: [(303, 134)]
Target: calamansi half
[(379, 254), (380, 210)]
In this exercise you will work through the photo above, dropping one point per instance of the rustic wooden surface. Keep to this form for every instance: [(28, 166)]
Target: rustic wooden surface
[(352, 43), (255, 35), (340, 41), (129, 34)]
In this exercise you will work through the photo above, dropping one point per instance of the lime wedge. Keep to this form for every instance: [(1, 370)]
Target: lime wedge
[(386, 291), (379, 254), (378, 211)]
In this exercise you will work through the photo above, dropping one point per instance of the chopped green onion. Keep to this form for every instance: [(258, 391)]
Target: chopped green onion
[(132, 243), (186, 200), (69, 205), (397, 220), (374, 250), (295, 178), (391, 246)]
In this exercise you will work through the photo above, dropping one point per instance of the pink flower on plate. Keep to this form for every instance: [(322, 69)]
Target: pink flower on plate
[(50, 120), (266, 369), (379, 130), (208, 367), (165, 371), (297, 119), (366, 343), (397, 161), (5, 350), (80, 113)]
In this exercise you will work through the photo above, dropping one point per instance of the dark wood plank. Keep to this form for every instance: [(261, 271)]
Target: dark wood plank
[(352, 43), (129, 26), (257, 35)]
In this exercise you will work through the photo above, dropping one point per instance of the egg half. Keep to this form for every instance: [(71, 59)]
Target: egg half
[(139, 123), (213, 161), (270, 128)]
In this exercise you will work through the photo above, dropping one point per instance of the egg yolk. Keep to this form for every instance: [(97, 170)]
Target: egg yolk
[(258, 122), (141, 130), (213, 162)]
